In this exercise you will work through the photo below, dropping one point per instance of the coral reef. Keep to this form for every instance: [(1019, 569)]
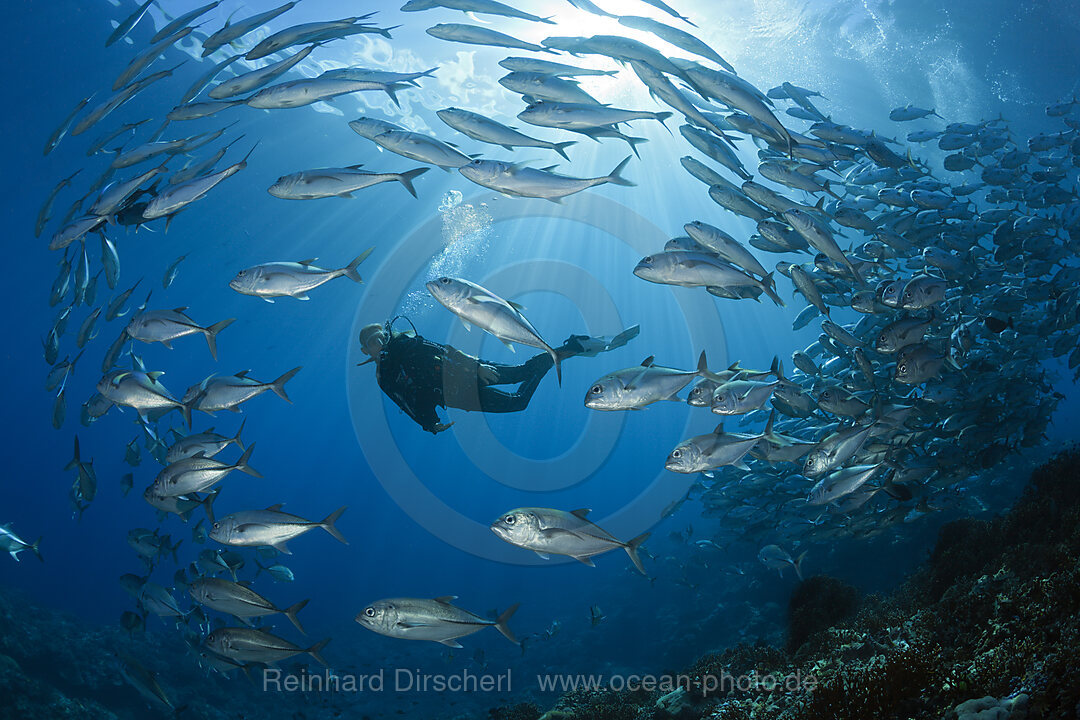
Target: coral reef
[(987, 629), (817, 604)]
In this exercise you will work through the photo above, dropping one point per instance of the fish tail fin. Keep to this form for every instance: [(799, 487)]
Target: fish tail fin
[(329, 524), (385, 32), (391, 90), (632, 551), (561, 148), (75, 458), (212, 332), (242, 463), (406, 179), (236, 438), (798, 564), (174, 548), (769, 286), (633, 142), (290, 612), (208, 504), (777, 368), (768, 431), (703, 368), (36, 549), (278, 386), (558, 364), (259, 568), (501, 626), (615, 176), (350, 270), (185, 410), (315, 651)]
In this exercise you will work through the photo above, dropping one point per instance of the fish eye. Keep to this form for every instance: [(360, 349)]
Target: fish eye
[(217, 525), (882, 338), (445, 280), (826, 395), (676, 454), (597, 389), (647, 260), (370, 612), (509, 520), (901, 369)]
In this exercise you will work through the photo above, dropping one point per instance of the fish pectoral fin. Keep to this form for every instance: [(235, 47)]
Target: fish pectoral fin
[(542, 556), (450, 643), (269, 300), (584, 560), (302, 296), (281, 547), (553, 533), (508, 345), (468, 327)]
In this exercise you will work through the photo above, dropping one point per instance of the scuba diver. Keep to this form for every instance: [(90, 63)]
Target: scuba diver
[(420, 375)]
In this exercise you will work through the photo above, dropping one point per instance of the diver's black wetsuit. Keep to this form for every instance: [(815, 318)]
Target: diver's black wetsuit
[(420, 375)]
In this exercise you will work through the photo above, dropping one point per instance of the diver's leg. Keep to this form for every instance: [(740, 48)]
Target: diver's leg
[(514, 374), (494, 400)]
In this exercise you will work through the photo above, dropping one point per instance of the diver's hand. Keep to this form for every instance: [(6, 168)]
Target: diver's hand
[(487, 374), (439, 427)]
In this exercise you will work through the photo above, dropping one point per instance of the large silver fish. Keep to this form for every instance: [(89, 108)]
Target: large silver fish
[(270, 528), (432, 620), (291, 279), (475, 305), (556, 532), (520, 181)]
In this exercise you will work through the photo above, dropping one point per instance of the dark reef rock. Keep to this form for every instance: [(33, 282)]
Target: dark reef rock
[(521, 711), (817, 604), (990, 623)]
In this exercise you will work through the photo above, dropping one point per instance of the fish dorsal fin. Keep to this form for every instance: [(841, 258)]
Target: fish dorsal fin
[(357, 166), (200, 454), (276, 508), (244, 583), (549, 168), (581, 513), (648, 362), (309, 261), (155, 374), (517, 306), (446, 599), (242, 374), (719, 429)]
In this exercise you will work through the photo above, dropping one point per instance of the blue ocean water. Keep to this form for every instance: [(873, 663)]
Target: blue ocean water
[(418, 504)]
